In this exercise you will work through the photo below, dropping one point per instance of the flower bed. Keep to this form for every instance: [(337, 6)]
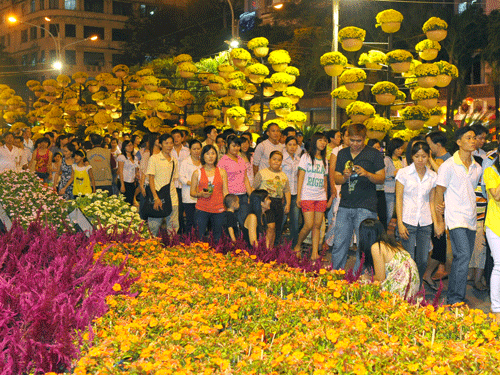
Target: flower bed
[(198, 311), (25, 197)]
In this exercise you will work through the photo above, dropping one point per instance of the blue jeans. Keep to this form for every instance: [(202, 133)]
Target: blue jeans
[(202, 218), (462, 246), (390, 201), (244, 209), (294, 215), (419, 238), (347, 221)]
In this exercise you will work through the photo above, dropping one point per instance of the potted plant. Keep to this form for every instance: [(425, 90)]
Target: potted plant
[(352, 38), (182, 58), (50, 85), (153, 99), (259, 46), (225, 70), (250, 92), (399, 102), (134, 81), (297, 119), (257, 73), (344, 97), (236, 116), (399, 60), (389, 20), (212, 108), (182, 98), (333, 63), (359, 112), (281, 105), (293, 93), (447, 72), (150, 83), (353, 79), (195, 120), (280, 81), (268, 87), (428, 49), (428, 97), (415, 116), (255, 111), (215, 82), (240, 57), (293, 72), (120, 71), (385, 92), (163, 110), (435, 29), (436, 116), (223, 90), (377, 127), (80, 77), (281, 123), (237, 88), (203, 78), (279, 60), (373, 59), (426, 75), (187, 69)]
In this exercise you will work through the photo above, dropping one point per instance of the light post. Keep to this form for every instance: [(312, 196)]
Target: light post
[(234, 30)]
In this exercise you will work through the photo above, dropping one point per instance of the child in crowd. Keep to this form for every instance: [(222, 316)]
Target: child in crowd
[(81, 177), (230, 226), (56, 164), (255, 223), (41, 162), (275, 182)]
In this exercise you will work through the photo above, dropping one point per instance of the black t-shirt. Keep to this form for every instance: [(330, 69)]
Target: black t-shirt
[(231, 221), (359, 192)]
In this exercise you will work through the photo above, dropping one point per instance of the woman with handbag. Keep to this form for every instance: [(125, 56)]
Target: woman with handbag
[(161, 196), (209, 186)]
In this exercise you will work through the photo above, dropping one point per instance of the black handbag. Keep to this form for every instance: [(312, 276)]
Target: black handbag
[(166, 200)]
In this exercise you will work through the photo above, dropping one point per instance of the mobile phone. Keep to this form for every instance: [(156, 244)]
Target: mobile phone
[(205, 190)]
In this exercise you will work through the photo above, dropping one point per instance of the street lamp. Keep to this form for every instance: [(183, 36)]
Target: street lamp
[(234, 29)]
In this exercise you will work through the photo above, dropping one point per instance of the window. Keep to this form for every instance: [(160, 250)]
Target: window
[(42, 31), (89, 31), (119, 35), (70, 31), (32, 6), (53, 4), (473, 74), (93, 58), (25, 59), (122, 9), (70, 4), (24, 36), (42, 4), (33, 59), (118, 59), (33, 33), (42, 57), (96, 6), (70, 57), (54, 29), (147, 10)]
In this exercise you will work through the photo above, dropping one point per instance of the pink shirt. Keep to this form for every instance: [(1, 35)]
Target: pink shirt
[(235, 174)]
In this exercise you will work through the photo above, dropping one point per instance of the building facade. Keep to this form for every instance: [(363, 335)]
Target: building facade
[(60, 30)]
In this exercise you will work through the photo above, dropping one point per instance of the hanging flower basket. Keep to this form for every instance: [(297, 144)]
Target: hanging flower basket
[(414, 124), (215, 86), (214, 112), (429, 54), (185, 74), (333, 70), (436, 35), (237, 93), (256, 78), (343, 103), (443, 80), (401, 67), (427, 82), (240, 63), (428, 103), (352, 45), (359, 119), (236, 121), (355, 86), (385, 99), (261, 51), (282, 112), (222, 92), (280, 67), (279, 86), (390, 27), (269, 91), (375, 134), (434, 120), (294, 99), (373, 66)]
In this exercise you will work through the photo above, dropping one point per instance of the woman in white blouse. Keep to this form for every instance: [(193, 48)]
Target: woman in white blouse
[(188, 166), (415, 187)]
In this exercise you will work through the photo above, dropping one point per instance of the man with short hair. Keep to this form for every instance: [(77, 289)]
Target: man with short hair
[(26, 153), (28, 142), (457, 179), (264, 149), (358, 169), (102, 164), (179, 152), (481, 134), (10, 156)]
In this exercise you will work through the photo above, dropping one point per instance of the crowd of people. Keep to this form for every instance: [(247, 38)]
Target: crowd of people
[(333, 190)]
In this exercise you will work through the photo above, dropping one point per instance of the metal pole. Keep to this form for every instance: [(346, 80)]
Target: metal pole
[(232, 19), (335, 48)]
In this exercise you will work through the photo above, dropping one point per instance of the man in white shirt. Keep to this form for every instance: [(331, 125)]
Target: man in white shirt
[(26, 153), (457, 179), (264, 149), (481, 134), (10, 156), (28, 142), (180, 152)]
